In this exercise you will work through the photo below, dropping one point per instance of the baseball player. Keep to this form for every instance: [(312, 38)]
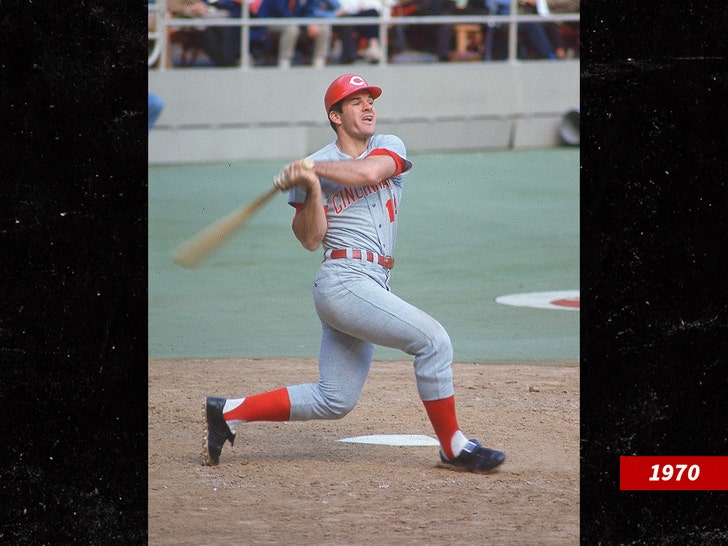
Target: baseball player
[(347, 197)]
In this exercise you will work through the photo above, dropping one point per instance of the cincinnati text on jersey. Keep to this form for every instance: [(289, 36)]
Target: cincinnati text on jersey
[(348, 196)]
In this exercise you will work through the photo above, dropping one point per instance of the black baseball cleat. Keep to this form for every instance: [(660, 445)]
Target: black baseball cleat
[(474, 458), (217, 430)]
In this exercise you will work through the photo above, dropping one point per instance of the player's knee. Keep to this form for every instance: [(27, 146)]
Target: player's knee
[(440, 345), (338, 411), (337, 407), (444, 346)]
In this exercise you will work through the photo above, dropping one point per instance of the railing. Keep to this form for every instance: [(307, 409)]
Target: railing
[(157, 32), (385, 21)]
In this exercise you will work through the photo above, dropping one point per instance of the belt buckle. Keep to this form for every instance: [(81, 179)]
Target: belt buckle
[(388, 262)]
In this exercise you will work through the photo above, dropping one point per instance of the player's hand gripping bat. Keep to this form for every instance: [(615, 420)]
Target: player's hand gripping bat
[(191, 252)]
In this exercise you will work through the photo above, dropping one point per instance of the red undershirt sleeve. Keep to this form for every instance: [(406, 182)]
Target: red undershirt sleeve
[(402, 164)]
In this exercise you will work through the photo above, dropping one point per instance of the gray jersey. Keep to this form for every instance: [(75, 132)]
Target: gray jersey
[(365, 217)]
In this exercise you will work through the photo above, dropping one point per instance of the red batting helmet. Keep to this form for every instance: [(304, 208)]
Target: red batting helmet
[(346, 85)]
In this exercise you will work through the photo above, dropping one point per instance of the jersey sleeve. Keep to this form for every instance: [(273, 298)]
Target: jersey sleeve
[(393, 146), (296, 196), (403, 165)]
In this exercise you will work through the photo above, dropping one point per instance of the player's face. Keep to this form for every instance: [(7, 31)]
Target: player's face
[(358, 117)]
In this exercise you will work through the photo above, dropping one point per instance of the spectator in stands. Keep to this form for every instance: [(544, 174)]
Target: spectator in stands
[(289, 35), (569, 31), (234, 8), (541, 7), (534, 35), (351, 35), (444, 32), (218, 43), (433, 39)]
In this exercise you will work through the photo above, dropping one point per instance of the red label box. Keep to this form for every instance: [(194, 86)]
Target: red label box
[(673, 473)]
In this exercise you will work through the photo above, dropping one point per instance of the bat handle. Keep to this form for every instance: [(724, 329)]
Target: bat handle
[(279, 180)]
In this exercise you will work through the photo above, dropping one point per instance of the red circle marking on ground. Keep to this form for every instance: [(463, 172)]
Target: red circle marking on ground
[(565, 300), (568, 302)]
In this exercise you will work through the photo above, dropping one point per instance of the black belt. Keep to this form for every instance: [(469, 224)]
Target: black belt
[(384, 261)]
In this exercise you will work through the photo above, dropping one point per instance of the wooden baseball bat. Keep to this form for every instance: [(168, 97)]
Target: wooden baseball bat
[(191, 252)]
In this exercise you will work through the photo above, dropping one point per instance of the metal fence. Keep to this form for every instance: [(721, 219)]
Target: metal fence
[(159, 45)]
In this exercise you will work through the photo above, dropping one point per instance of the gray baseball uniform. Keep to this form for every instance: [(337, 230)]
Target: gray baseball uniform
[(353, 299), (352, 296)]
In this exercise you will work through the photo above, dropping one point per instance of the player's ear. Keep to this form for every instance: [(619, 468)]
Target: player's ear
[(334, 117)]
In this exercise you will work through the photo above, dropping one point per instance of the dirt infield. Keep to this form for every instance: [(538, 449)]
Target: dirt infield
[(295, 483)]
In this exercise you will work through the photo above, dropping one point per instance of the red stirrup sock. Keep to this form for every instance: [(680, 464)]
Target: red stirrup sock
[(444, 421), (267, 406)]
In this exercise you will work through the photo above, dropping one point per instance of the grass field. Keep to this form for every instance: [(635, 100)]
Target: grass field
[(473, 226)]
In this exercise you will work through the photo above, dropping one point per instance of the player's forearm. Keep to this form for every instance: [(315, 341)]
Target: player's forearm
[(309, 223), (357, 172)]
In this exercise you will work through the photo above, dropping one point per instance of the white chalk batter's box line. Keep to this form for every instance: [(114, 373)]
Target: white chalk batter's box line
[(564, 300)]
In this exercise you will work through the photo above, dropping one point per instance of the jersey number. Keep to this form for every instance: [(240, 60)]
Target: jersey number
[(392, 208)]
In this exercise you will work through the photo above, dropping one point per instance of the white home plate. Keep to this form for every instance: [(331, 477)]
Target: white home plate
[(393, 440), (567, 300)]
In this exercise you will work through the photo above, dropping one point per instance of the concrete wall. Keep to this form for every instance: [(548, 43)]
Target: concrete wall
[(265, 113)]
